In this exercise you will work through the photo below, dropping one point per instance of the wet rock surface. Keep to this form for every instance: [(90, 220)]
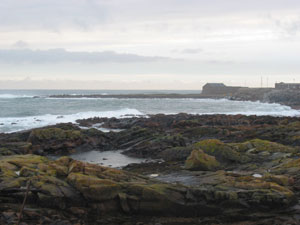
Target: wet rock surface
[(216, 169)]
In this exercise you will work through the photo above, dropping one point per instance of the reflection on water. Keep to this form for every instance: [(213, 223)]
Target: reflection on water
[(113, 159)]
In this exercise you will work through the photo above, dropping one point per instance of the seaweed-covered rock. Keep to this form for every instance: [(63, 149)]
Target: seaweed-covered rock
[(247, 168), (66, 139), (220, 150), (258, 146), (96, 191), (198, 160), (142, 142), (176, 153)]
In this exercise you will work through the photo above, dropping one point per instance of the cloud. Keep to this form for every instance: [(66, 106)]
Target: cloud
[(85, 14), (61, 55), (20, 44), (290, 27), (187, 51), (222, 62), (192, 51), (52, 15)]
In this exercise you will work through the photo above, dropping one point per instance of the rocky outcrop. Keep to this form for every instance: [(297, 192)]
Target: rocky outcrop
[(285, 97), (61, 139), (217, 169), (74, 191), (269, 95), (150, 137), (198, 160)]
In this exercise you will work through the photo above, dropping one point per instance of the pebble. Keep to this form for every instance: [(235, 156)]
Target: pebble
[(154, 175), (257, 175)]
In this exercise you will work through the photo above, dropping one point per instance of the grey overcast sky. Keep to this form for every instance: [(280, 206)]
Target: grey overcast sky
[(148, 44)]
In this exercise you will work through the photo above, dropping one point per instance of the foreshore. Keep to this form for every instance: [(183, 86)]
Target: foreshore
[(212, 169)]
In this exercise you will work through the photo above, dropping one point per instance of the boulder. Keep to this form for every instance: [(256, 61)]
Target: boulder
[(198, 160), (223, 152)]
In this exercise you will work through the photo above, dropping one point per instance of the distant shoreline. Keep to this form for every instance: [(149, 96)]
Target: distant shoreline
[(121, 96), (237, 97)]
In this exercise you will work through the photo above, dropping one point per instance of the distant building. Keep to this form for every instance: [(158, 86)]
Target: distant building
[(292, 86), (218, 89)]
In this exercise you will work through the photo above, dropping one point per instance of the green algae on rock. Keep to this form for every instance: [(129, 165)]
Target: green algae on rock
[(66, 183), (198, 160), (258, 145), (222, 151)]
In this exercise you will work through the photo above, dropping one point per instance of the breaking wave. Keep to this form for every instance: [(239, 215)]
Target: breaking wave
[(13, 124)]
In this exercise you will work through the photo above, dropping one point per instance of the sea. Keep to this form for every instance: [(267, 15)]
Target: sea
[(27, 109)]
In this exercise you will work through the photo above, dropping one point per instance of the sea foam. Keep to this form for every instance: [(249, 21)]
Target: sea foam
[(12, 96), (53, 111), (13, 124)]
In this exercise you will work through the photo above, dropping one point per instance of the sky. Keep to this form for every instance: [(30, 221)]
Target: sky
[(148, 44)]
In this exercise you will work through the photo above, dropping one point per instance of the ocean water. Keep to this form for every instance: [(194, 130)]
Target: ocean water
[(20, 110)]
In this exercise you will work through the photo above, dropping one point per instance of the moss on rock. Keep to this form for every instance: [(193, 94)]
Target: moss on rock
[(258, 145), (54, 133), (198, 160), (222, 151), (25, 160)]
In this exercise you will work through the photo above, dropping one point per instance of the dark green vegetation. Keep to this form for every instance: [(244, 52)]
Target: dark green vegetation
[(217, 169)]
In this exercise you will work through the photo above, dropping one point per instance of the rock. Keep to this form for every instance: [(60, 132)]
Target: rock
[(63, 139), (103, 190), (221, 151), (228, 151), (5, 151), (177, 153), (279, 179), (265, 147), (198, 160)]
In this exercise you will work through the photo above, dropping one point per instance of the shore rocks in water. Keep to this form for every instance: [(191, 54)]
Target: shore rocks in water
[(193, 128), (60, 139), (149, 137), (285, 97)]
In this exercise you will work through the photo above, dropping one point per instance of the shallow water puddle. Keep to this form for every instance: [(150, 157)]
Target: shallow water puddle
[(113, 159)]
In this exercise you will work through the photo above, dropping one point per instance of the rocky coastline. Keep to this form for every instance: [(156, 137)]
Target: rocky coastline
[(213, 169), (267, 95)]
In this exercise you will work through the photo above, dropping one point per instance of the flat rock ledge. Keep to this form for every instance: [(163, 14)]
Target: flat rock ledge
[(67, 191)]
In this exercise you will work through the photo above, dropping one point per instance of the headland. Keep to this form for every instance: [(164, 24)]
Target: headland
[(283, 93)]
